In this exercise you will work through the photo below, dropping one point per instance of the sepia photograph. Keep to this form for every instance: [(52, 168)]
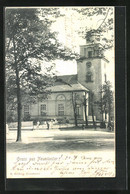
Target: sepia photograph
[(60, 92)]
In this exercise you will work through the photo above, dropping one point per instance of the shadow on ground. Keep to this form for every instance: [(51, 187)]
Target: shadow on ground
[(59, 143)]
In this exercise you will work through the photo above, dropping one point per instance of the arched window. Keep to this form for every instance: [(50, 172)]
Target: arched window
[(89, 54), (89, 77), (60, 105)]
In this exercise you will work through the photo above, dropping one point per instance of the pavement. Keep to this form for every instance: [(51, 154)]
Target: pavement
[(47, 141)]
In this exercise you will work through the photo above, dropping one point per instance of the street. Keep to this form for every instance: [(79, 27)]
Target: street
[(61, 141), (56, 153)]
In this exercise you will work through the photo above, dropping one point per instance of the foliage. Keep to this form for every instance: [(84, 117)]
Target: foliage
[(105, 26), (78, 100), (101, 103), (11, 116), (33, 43), (29, 42), (106, 100), (26, 118)]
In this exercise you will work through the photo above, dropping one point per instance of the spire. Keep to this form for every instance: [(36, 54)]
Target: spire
[(93, 47)]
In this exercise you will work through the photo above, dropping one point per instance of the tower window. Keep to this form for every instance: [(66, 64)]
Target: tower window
[(88, 64), (89, 77), (89, 54)]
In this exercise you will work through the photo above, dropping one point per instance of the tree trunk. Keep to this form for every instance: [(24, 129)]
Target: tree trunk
[(86, 118), (74, 108), (109, 113), (19, 108), (92, 112), (93, 117), (102, 116), (75, 115), (101, 109)]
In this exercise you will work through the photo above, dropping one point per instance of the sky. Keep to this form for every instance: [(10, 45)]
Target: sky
[(68, 28)]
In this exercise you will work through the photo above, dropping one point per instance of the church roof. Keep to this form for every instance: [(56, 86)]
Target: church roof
[(67, 83), (66, 79), (68, 88)]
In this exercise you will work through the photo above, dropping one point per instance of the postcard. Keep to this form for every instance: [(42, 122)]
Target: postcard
[(60, 92)]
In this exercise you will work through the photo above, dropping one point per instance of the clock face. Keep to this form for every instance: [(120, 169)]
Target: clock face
[(88, 64)]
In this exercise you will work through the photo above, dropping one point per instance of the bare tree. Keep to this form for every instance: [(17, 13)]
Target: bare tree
[(74, 103), (85, 109), (92, 103), (108, 99), (105, 104)]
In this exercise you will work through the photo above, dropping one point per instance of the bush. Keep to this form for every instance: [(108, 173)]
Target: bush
[(61, 121), (26, 118), (67, 120), (102, 125), (10, 119), (111, 126), (35, 121)]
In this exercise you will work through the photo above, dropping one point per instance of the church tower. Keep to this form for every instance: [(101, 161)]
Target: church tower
[(92, 68)]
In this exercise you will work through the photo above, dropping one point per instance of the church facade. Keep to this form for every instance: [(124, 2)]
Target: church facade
[(67, 96)]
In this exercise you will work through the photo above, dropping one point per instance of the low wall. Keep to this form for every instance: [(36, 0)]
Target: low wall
[(26, 125)]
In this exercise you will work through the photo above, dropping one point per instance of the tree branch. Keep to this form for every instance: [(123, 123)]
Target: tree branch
[(104, 19), (9, 44)]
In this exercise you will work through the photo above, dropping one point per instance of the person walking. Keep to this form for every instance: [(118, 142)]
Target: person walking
[(38, 124), (48, 125), (51, 124)]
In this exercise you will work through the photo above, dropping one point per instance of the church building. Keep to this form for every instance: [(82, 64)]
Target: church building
[(71, 91)]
